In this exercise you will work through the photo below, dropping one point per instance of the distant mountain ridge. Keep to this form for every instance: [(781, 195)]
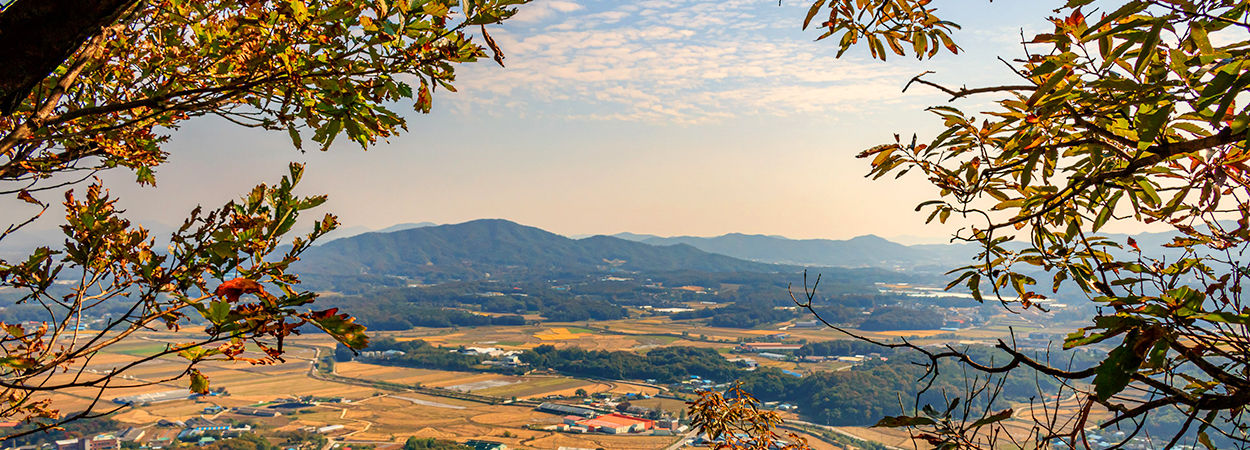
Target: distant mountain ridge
[(472, 250), (862, 251)]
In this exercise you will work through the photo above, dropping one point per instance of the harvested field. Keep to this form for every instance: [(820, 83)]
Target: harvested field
[(542, 387), (482, 385), (470, 381), (907, 333)]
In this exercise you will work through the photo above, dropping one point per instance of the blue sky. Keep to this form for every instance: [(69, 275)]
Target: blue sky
[(661, 117)]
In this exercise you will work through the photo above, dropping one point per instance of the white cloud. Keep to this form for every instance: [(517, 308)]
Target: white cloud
[(701, 62), (540, 10)]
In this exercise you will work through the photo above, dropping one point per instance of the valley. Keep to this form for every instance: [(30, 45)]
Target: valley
[(476, 327)]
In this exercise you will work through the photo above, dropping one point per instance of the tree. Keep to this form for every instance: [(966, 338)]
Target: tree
[(121, 72), (734, 421), (343, 353), (1120, 115), (580, 393)]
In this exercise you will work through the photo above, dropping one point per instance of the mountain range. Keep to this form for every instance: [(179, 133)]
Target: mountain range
[(862, 251), (492, 247)]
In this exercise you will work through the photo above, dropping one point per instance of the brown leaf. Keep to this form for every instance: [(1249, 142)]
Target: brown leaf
[(25, 196), (232, 289)]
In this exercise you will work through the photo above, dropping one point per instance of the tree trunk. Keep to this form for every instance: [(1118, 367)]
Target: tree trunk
[(36, 36)]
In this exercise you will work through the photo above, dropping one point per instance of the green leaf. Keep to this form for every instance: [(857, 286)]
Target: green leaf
[(996, 417), (199, 383), (1206, 440), (1148, 47), (295, 137), (217, 312), (1115, 372), (1226, 317), (812, 12)]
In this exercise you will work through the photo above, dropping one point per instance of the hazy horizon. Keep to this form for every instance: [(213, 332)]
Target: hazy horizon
[(695, 118)]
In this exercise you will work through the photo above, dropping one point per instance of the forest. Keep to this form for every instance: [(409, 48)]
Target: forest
[(664, 364)]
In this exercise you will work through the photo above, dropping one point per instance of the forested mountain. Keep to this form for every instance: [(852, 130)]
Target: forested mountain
[(492, 248)]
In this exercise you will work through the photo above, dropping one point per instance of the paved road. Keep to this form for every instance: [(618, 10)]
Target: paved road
[(835, 430), (682, 441)]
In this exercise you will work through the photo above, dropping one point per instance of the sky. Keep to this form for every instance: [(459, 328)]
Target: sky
[(656, 117)]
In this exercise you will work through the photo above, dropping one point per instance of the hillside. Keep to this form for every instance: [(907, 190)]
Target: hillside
[(491, 247)]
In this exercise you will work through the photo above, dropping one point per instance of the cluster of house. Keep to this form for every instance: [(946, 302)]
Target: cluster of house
[(695, 383), (764, 348), (166, 396), (279, 407), (579, 419), (609, 424), (100, 442), (507, 358), (850, 359), (162, 436), (385, 354), (1115, 439)]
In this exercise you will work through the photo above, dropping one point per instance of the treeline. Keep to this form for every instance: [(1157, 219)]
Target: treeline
[(891, 318), (864, 394), (395, 316), (664, 364), (422, 355), (445, 306), (737, 315), (416, 443), (842, 347), (244, 441)]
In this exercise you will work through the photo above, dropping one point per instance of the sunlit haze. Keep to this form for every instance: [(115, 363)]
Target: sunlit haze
[(656, 117)]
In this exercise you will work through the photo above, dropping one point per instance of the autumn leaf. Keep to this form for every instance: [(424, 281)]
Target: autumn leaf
[(199, 383), (232, 289), (341, 326)]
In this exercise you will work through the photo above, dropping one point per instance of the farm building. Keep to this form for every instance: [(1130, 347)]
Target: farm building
[(155, 397), (556, 408), (263, 412), (486, 445), (757, 347), (616, 424), (101, 442), (132, 434)]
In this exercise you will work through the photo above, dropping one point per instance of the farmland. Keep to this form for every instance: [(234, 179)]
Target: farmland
[(388, 403)]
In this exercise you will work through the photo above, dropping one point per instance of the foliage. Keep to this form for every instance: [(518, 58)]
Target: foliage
[(1127, 115), (244, 441), (323, 66), (214, 269), (314, 68), (734, 421), (416, 443)]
